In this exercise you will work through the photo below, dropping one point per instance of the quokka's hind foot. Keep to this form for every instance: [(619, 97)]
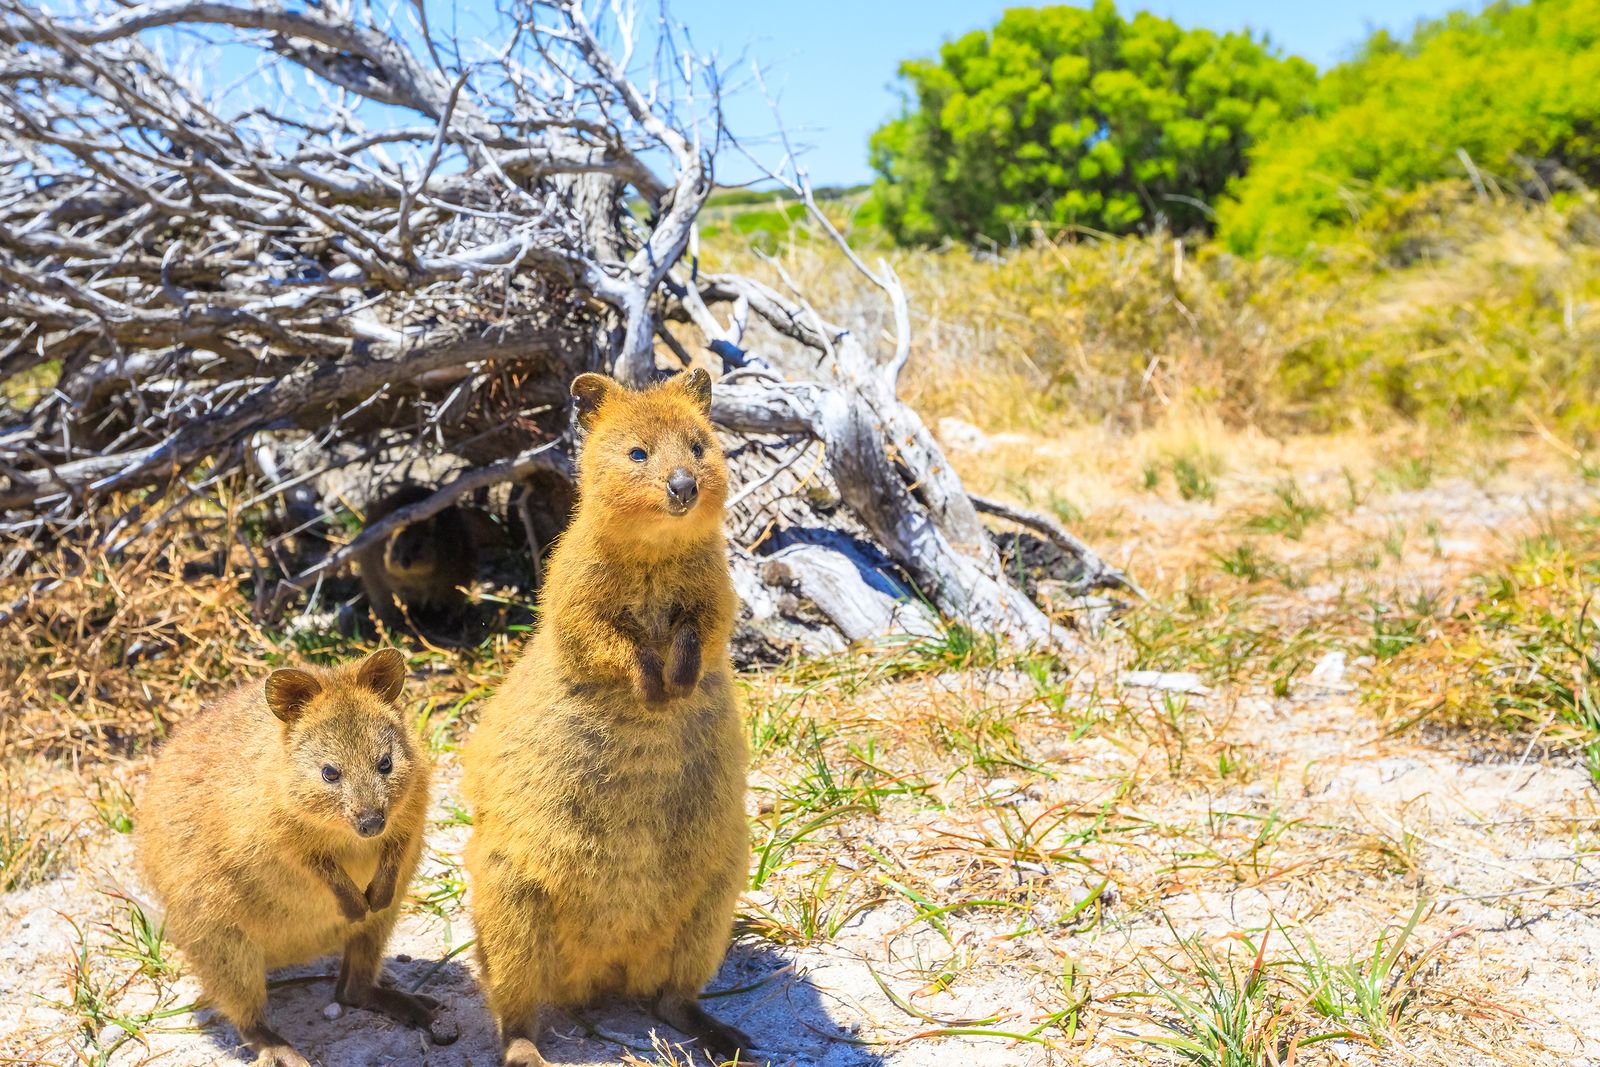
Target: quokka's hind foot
[(413, 1009), (722, 1041), (522, 1052), (358, 987), (281, 1056), (272, 1049)]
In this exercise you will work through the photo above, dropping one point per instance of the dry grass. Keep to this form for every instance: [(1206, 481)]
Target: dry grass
[(107, 653), (110, 654), (1513, 648), (1459, 311)]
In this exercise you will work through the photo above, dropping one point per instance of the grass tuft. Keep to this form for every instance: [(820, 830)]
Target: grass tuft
[(1371, 989), (1517, 648), (1221, 1013), (1291, 514), (33, 847)]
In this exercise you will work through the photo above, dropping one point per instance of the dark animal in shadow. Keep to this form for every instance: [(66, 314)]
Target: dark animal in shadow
[(416, 577)]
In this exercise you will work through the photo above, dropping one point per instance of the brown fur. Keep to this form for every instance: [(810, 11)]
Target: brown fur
[(258, 859), (607, 775), (416, 574)]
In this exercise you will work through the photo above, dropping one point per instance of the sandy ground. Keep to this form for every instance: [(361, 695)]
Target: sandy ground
[(1522, 966), (1000, 894)]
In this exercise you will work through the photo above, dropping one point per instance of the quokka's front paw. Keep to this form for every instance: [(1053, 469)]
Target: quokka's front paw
[(351, 900), (651, 686), (353, 908), (380, 894), (683, 663)]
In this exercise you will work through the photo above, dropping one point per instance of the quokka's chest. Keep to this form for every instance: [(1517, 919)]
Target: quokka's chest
[(653, 599), (651, 616)]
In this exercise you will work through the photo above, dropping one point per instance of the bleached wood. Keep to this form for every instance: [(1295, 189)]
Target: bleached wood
[(519, 215)]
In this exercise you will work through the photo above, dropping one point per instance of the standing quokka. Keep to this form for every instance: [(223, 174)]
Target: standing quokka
[(283, 823), (607, 775)]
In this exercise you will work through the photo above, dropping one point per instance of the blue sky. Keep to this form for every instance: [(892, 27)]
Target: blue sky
[(831, 63)]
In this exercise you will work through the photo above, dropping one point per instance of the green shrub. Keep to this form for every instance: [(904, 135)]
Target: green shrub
[(1065, 116), (1506, 98)]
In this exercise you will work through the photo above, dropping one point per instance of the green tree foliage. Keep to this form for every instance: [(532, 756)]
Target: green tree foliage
[(1061, 115), (1514, 84)]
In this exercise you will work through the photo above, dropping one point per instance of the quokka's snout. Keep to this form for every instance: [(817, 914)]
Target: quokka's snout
[(683, 489)]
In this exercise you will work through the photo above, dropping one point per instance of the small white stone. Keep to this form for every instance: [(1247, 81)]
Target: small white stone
[(1329, 673), (1166, 681), (1026, 870), (333, 1011)]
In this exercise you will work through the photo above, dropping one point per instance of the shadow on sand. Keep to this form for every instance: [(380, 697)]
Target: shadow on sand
[(758, 990)]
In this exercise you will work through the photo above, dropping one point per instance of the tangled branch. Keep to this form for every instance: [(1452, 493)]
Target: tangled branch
[(392, 241)]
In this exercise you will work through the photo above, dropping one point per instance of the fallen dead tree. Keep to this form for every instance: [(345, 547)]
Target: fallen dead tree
[(405, 253)]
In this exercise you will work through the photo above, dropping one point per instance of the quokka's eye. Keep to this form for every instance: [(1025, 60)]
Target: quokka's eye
[(638, 455), (386, 764), (330, 773), (699, 450)]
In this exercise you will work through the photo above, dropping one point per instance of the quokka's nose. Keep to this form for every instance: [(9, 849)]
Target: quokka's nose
[(371, 823), (682, 487)]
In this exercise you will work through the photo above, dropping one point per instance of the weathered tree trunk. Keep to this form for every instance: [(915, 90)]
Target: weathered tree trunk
[(184, 281)]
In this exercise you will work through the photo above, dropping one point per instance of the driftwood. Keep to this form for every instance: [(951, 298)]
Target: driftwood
[(409, 246)]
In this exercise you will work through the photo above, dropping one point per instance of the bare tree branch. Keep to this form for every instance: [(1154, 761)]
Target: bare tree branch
[(410, 246), (1097, 572)]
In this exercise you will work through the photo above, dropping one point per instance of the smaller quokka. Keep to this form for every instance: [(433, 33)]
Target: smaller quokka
[(414, 577), (284, 823)]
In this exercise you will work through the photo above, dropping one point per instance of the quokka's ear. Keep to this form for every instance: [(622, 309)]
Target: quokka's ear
[(383, 672), (696, 384), (289, 691), (589, 391)]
